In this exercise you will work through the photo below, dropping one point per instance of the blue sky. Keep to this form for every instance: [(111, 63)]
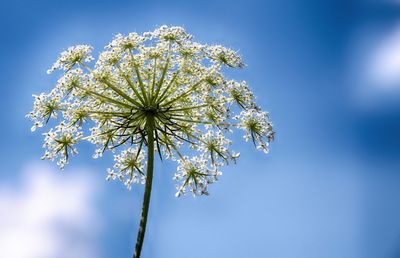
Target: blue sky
[(325, 70)]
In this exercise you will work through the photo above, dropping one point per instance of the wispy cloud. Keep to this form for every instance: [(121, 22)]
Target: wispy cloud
[(48, 215)]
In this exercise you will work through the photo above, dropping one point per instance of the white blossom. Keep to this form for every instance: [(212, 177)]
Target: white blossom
[(195, 175), (60, 143), (128, 167), (165, 33), (73, 55), (44, 108), (240, 94), (122, 43), (163, 75), (225, 56), (257, 126), (215, 147)]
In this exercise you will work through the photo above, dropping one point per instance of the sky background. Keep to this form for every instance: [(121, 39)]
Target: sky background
[(327, 71)]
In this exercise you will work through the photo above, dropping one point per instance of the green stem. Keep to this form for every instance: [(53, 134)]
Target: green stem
[(149, 179)]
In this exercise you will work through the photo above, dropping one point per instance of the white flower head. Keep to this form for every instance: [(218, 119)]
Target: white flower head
[(159, 89), (128, 167), (73, 55), (195, 175), (258, 128), (165, 33), (61, 143), (226, 56)]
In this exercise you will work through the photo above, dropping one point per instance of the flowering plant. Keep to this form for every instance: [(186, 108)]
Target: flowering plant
[(159, 92)]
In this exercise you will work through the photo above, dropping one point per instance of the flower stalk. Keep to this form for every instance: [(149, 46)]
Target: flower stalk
[(147, 191)]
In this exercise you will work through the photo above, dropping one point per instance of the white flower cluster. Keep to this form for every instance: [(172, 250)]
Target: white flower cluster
[(44, 108), (60, 143), (72, 56), (257, 127), (226, 56), (165, 33), (240, 94), (71, 78), (215, 146), (160, 83), (122, 43), (128, 167), (195, 176), (198, 172)]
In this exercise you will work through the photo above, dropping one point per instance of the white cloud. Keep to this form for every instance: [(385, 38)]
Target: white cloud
[(384, 65), (49, 215)]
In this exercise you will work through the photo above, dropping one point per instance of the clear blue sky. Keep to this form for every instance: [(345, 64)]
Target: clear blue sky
[(329, 188)]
